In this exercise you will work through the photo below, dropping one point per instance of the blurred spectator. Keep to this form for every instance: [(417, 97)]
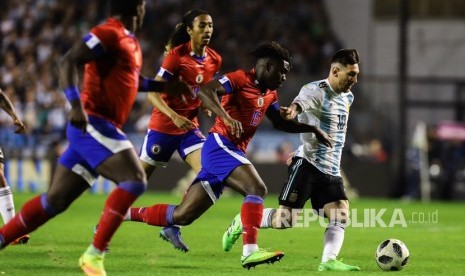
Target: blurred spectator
[(34, 34)]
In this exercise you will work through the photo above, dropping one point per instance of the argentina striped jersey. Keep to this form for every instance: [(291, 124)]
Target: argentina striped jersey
[(323, 107)]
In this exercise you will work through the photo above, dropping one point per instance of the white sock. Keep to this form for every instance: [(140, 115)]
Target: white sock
[(7, 206), (248, 249), (267, 218), (333, 239)]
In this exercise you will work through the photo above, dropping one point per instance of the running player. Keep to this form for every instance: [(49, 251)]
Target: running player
[(97, 146), (7, 205), (315, 171), (247, 96), (174, 125)]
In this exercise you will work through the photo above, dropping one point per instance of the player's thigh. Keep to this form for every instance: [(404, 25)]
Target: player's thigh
[(122, 166), (66, 187), (246, 180), (2, 176), (193, 160)]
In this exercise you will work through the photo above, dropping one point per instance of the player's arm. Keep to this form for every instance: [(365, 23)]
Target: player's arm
[(176, 88), (280, 123), (75, 58), (208, 94), (6, 105), (158, 102)]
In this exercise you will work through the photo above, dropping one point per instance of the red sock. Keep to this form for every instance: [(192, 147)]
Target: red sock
[(251, 217), (116, 206), (31, 216), (138, 213), (159, 215)]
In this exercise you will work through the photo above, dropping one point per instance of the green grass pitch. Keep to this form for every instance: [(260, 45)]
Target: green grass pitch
[(434, 234)]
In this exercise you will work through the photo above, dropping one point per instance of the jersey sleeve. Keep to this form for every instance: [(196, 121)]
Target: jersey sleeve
[(309, 97), (233, 81), (100, 39), (169, 66), (274, 104)]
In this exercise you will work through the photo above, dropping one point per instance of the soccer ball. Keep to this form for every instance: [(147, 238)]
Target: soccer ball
[(392, 254)]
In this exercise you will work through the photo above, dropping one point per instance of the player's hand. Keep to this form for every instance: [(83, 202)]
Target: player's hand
[(235, 125), (78, 118), (323, 137), (20, 127), (183, 123), (180, 89), (287, 113)]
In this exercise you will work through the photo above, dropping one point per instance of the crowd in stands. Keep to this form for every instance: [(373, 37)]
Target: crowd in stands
[(34, 35)]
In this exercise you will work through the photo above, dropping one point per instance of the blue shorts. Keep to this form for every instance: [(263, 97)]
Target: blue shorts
[(86, 151), (158, 147), (219, 158)]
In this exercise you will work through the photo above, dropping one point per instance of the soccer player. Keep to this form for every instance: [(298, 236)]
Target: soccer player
[(97, 146), (174, 124), (314, 172), (247, 96), (7, 205)]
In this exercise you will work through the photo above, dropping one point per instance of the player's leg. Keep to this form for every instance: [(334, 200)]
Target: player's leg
[(7, 205), (38, 210), (156, 151), (189, 150), (246, 180), (332, 199), (295, 192), (109, 153)]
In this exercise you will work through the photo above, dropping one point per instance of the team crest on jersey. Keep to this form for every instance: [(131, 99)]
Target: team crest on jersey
[(155, 149), (260, 102), (293, 197), (199, 78)]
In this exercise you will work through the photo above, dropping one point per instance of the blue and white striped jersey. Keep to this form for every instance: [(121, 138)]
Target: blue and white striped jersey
[(323, 107)]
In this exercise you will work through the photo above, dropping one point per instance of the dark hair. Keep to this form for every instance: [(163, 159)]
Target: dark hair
[(124, 7), (270, 49), (180, 35), (346, 56)]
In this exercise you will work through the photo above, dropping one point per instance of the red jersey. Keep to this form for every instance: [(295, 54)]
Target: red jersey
[(181, 62), (111, 81), (245, 103)]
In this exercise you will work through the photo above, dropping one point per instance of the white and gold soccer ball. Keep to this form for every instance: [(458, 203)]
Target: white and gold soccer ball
[(392, 254)]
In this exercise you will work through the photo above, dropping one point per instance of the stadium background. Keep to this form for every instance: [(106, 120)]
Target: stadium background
[(412, 83)]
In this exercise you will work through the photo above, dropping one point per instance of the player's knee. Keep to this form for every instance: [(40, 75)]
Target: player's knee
[(138, 176), (259, 190), (185, 218)]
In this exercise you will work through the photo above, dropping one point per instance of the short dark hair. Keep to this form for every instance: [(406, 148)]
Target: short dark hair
[(271, 49), (124, 7), (345, 57)]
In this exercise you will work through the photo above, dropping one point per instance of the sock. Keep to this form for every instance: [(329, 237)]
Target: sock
[(267, 219), (7, 206), (333, 239), (135, 214), (34, 213), (160, 215), (116, 206), (251, 216)]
